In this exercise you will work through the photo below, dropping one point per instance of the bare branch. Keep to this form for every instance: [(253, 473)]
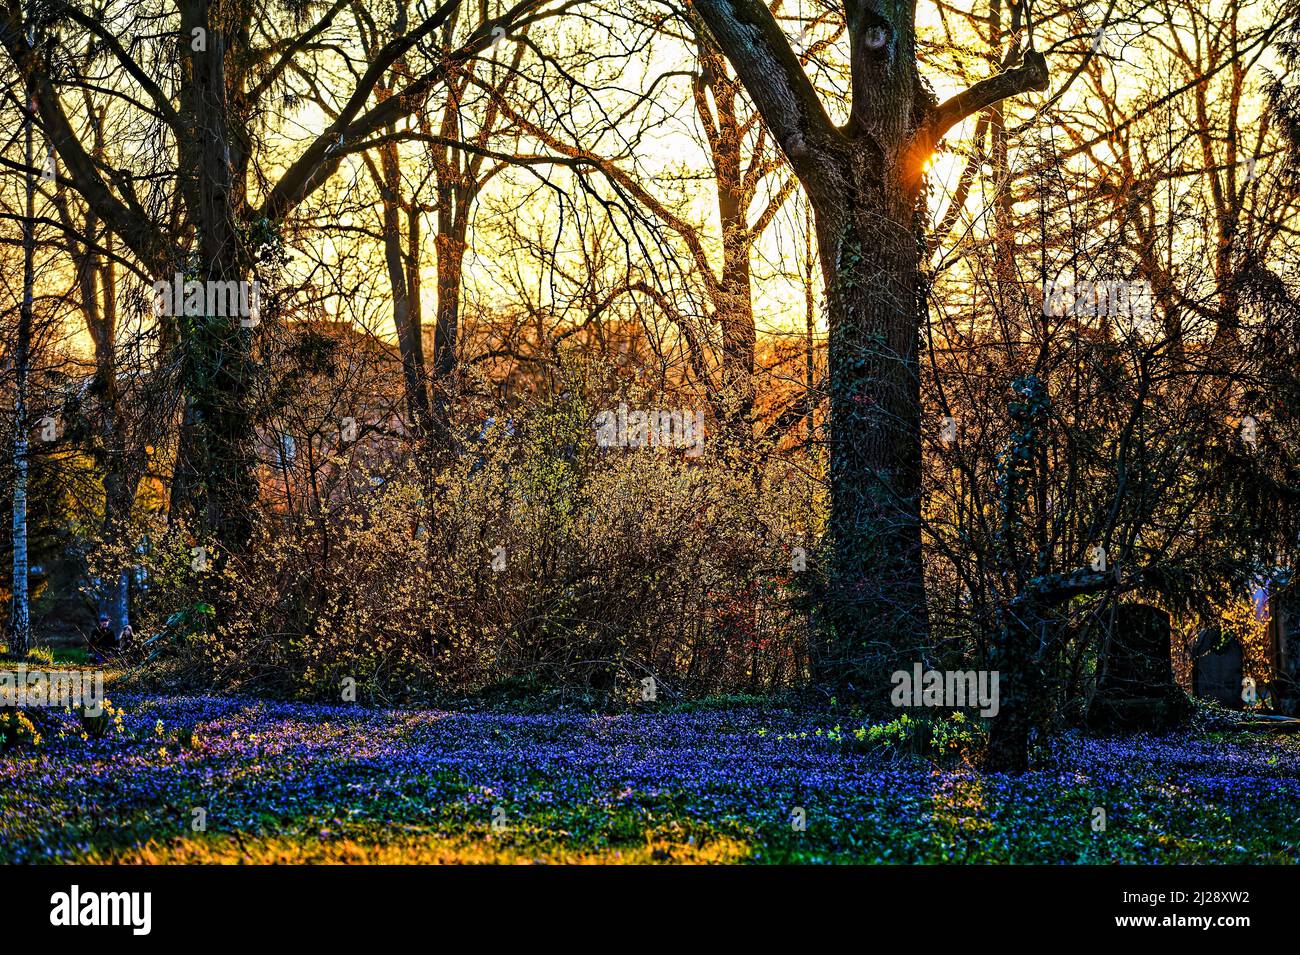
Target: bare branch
[(1030, 75), (757, 48)]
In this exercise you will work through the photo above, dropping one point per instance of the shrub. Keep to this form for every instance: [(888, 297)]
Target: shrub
[(535, 558), (954, 738)]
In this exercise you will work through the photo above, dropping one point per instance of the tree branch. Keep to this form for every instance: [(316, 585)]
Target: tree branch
[(293, 49), (1031, 74), (165, 108), (757, 48), (322, 157), (139, 234)]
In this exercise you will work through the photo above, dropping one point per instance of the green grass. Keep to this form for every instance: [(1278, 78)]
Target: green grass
[(49, 656)]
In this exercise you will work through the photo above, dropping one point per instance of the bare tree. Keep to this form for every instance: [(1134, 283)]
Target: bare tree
[(203, 92), (864, 180)]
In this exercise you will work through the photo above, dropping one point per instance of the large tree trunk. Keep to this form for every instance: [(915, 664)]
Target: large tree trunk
[(218, 348), (1016, 661), (1017, 651), (120, 467), (871, 244), (864, 182)]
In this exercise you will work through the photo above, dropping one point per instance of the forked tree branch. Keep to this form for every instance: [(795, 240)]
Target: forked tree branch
[(317, 163)]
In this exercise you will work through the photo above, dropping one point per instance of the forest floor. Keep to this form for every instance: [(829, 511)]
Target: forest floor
[(208, 779)]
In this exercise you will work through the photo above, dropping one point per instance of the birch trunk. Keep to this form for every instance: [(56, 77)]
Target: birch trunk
[(20, 621)]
